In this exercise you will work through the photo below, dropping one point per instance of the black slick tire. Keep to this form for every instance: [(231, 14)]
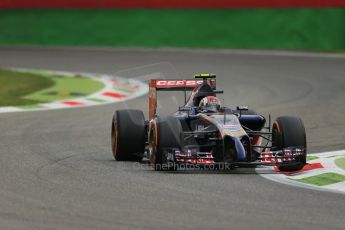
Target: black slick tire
[(289, 132), (128, 135), (169, 135)]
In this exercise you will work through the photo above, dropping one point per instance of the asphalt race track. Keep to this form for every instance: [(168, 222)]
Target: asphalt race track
[(57, 171)]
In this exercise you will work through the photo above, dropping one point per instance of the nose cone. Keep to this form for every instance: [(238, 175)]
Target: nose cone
[(240, 150), (236, 147)]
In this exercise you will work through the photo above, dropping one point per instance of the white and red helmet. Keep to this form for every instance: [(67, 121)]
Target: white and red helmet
[(210, 103)]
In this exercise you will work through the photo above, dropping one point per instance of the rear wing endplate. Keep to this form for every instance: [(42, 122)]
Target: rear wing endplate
[(175, 85)]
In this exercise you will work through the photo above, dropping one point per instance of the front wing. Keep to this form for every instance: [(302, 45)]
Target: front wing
[(190, 158)]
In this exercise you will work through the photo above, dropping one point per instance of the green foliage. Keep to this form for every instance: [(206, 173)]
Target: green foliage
[(317, 29)]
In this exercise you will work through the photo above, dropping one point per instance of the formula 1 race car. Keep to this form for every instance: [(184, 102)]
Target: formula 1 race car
[(205, 134)]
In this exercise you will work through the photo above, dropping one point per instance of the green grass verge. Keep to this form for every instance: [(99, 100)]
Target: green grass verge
[(340, 163), (66, 88), (15, 85), (27, 89), (323, 179), (318, 29), (310, 158), (28, 107)]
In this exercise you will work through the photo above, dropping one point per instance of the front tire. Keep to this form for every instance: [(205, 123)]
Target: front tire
[(128, 135), (166, 133), (290, 132)]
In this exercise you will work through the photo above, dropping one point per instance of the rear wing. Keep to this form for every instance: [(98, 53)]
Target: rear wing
[(176, 85)]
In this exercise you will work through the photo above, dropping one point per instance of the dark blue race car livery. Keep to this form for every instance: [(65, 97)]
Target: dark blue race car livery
[(205, 134)]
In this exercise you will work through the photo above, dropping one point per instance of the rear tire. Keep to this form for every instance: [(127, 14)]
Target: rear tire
[(128, 135), (169, 135), (289, 132)]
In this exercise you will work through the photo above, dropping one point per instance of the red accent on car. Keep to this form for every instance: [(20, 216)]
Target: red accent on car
[(186, 157), (256, 140), (176, 83)]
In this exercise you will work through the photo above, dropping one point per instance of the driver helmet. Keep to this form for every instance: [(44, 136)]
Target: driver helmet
[(210, 103)]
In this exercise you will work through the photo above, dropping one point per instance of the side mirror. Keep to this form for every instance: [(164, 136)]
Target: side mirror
[(241, 107)]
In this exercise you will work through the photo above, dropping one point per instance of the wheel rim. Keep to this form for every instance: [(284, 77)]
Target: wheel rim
[(114, 138), (152, 146)]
